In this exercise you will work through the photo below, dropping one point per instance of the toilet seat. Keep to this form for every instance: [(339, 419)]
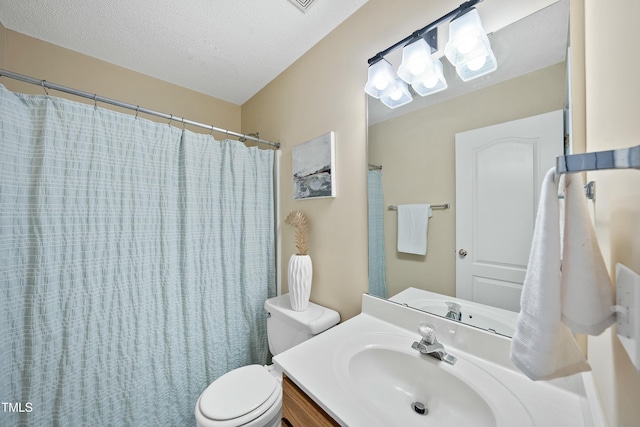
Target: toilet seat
[(239, 397)]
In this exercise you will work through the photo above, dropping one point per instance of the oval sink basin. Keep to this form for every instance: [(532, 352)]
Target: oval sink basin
[(387, 376)]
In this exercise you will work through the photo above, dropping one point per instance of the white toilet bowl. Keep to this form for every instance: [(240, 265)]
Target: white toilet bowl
[(251, 396)]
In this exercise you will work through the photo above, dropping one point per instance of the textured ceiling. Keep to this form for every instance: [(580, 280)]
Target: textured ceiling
[(228, 49)]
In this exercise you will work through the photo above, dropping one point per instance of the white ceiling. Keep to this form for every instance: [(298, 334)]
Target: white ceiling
[(228, 49)]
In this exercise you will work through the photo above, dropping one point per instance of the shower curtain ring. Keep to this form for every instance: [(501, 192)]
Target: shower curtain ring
[(95, 101), (183, 125), (170, 120), (44, 88), (137, 111)]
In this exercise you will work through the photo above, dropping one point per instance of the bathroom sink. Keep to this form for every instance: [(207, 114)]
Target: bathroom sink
[(364, 372), (388, 377)]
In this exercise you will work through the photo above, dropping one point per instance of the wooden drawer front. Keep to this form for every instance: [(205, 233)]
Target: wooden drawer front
[(298, 410)]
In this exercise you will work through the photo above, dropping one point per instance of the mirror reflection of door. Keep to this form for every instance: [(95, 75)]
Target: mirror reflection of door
[(499, 170)]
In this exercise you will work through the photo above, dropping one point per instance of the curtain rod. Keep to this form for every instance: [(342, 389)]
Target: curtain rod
[(45, 84)]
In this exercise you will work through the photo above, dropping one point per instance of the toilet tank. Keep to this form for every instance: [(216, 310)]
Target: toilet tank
[(287, 328)]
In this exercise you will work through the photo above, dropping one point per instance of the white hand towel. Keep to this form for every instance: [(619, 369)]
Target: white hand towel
[(587, 293), (542, 347), (413, 224)]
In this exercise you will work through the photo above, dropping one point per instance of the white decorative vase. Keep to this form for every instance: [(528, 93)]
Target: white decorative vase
[(300, 272)]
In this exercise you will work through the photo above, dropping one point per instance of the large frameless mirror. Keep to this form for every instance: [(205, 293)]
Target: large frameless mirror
[(412, 160)]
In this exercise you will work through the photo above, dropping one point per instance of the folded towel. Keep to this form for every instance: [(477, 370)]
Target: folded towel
[(542, 347), (413, 224), (587, 293)]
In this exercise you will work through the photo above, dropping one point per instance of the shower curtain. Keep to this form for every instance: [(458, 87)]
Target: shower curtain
[(377, 259), (135, 261)]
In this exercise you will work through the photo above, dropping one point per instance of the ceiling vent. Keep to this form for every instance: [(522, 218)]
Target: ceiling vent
[(303, 5)]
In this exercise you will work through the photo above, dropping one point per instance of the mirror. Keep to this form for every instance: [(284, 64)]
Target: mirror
[(411, 149)]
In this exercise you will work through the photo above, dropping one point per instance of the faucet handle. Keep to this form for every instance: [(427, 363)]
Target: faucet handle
[(428, 332), (453, 311), (453, 306)]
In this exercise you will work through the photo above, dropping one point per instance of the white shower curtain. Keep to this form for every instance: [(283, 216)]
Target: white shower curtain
[(135, 261)]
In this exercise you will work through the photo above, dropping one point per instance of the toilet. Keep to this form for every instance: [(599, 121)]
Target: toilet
[(251, 396)]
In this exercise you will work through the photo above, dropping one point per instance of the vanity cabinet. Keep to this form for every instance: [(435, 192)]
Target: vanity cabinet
[(298, 410)]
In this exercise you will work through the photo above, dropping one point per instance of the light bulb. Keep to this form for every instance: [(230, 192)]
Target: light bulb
[(396, 95), (430, 81), (476, 63), (381, 84), (416, 59), (417, 67), (467, 41), (380, 77)]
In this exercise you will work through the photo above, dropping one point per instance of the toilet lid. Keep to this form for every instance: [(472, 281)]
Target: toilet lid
[(237, 393)]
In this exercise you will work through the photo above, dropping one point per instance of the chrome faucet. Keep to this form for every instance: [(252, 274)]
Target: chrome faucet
[(429, 345), (454, 311)]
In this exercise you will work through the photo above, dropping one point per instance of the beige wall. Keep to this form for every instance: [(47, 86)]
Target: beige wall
[(321, 92), (41, 60), (2, 45), (424, 167), (612, 112)]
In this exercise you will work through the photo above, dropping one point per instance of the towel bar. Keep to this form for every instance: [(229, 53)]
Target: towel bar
[(623, 158), (443, 206)]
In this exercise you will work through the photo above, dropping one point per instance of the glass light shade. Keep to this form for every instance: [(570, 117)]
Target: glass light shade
[(468, 48), (416, 61), (381, 79), (477, 65), (398, 96), (431, 82)]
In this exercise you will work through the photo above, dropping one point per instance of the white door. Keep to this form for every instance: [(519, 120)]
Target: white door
[(499, 170)]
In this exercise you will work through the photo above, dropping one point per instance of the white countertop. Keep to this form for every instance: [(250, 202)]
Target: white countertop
[(312, 366)]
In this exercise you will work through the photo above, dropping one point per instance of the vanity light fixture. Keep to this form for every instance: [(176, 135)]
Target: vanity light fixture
[(468, 50)]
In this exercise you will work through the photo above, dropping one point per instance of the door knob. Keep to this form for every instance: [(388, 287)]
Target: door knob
[(462, 253)]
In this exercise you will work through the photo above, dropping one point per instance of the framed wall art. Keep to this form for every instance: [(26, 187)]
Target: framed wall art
[(314, 168)]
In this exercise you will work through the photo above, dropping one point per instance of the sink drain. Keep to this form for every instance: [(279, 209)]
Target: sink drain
[(419, 408)]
